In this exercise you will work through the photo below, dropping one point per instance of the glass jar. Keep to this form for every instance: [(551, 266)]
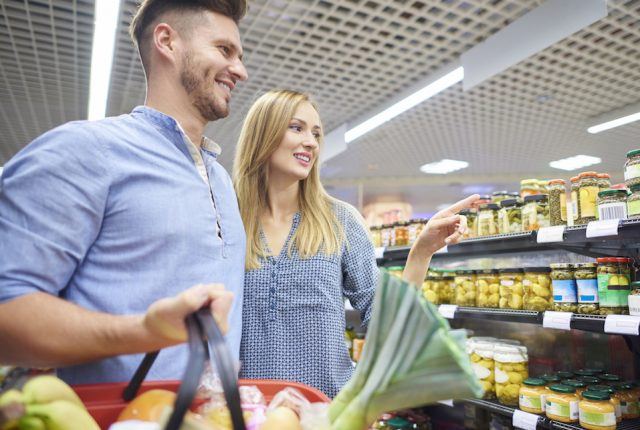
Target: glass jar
[(589, 380), (613, 286), (376, 236), (557, 202), (532, 396), (634, 298), (632, 168), (510, 217), (511, 289), (465, 281), (499, 196), (537, 289), (550, 379), (472, 221), (565, 297), (564, 374), (444, 287), (587, 286), (633, 203), (596, 411), (543, 186), (488, 288), (575, 199), (580, 386), (488, 219), (415, 227), (386, 232), (529, 187), (481, 355), (588, 190), (615, 398), (612, 204), (511, 369), (401, 233), (609, 379), (535, 213), (604, 181), (429, 289), (562, 404), (628, 401)]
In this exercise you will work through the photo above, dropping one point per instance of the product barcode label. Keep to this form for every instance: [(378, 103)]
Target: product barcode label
[(612, 211)]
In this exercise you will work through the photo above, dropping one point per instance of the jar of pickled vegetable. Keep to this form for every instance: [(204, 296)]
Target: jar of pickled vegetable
[(429, 289), (609, 379), (386, 232), (615, 398), (537, 289), (532, 396), (633, 203), (511, 369), (465, 281), (557, 202), (612, 204), (613, 286), (510, 217), (596, 411), (565, 297), (580, 386), (402, 233), (488, 288), (632, 168), (628, 401), (562, 404), (472, 221), (376, 236), (511, 289), (488, 219), (445, 286), (575, 199), (498, 196), (481, 355), (414, 229), (543, 186), (588, 190), (535, 213), (529, 187), (564, 374), (587, 285), (604, 181)]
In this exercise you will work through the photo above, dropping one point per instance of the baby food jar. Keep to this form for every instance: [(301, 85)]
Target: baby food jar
[(580, 386), (615, 399), (511, 369), (537, 289), (596, 411), (511, 289), (587, 285), (562, 404), (565, 298), (532, 396), (488, 288), (628, 400)]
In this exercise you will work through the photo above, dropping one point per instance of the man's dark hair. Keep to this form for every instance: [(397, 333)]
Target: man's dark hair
[(150, 10)]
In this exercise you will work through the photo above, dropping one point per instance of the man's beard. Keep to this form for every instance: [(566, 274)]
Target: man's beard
[(199, 84)]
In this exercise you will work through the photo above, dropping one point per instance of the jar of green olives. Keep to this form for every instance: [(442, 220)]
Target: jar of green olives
[(488, 219), (537, 289), (587, 285), (613, 285), (535, 213), (632, 168), (510, 216), (565, 297), (588, 190), (557, 202)]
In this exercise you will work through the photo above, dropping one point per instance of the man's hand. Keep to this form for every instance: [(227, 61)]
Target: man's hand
[(165, 318)]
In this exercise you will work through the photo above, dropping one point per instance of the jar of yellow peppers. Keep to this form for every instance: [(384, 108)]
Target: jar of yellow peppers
[(511, 289), (488, 288), (481, 355), (511, 369), (465, 281)]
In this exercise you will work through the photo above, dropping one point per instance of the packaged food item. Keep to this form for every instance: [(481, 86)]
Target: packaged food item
[(632, 168), (550, 379), (564, 374), (604, 181), (580, 386), (543, 186), (535, 213), (565, 297), (415, 228), (612, 204), (386, 233), (609, 379), (511, 369), (575, 199), (465, 281), (615, 398), (472, 222), (634, 298), (498, 196), (511, 289), (532, 396), (488, 288), (445, 287), (588, 190), (529, 187), (628, 400), (376, 236), (557, 202), (401, 230), (537, 289), (589, 380), (613, 285), (510, 216), (633, 203), (488, 219), (358, 345), (596, 411), (483, 200), (562, 404), (587, 285), (481, 355), (429, 289)]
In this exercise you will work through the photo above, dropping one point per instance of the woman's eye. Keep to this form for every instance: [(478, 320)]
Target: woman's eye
[(295, 127)]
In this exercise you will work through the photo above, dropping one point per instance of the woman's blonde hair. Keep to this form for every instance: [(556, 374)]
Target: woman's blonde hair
[(261, 135)]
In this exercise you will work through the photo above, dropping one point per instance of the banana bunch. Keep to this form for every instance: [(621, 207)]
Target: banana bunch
[(45, 403)]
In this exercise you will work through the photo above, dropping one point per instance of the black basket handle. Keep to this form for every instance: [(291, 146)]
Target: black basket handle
[(205, 337)]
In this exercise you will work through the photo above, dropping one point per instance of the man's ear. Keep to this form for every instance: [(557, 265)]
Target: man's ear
[(165, 42)]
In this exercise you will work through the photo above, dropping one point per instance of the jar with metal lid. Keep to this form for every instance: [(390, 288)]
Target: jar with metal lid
[(550, 379), (633, 203), (488, 219), (488, 288), (632, 168), (414, 227), (429, 289), (510, 216), (588, 190), (634, 298), (472, 221), (613, 285), (511, 369), (511, 289), (596, 412), (604, 181), (575, 199), (543, 186), (612, 204), (376, 236), (557, 202), (562, 404), (465, 281), (535, 213), (401, 233), (532, 396), (580, 386), (499, 196), (481, 356), (386, 233), (587, 285), (589, 380), (565, 374), (615, 398), (529, 187), (565, 297), (628, 401), (609, 379), (537, 289)]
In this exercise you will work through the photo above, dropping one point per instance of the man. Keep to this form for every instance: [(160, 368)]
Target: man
[(101, 220)]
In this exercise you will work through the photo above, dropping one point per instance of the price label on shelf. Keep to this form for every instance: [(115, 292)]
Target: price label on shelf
[(524, 420), (551, 234), (379, 251), (448, 311), (605, 227), (558, 320), (622, 324), (446, 402)]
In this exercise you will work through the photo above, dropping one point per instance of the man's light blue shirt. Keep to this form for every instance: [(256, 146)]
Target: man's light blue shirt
[(113, 215)]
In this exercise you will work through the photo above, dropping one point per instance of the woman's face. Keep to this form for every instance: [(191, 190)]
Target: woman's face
[(300, 147)]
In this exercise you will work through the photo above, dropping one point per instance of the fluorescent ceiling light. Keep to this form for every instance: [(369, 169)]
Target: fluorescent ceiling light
[(614, 123), (405, 104), (104, 38), (443, 167), (575, 162)]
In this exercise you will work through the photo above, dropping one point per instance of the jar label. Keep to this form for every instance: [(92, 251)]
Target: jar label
[(631, 408), (613, 290), (587, 290), (564, 409), (616, 210), (598, 418), (574, 205), (564, 291), (631, 172), (588, 196), (633, 207), (563, 206), (531, 402)]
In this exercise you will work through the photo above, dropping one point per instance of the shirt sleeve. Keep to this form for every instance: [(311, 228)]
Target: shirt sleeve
[(52, 199), (359, 270)]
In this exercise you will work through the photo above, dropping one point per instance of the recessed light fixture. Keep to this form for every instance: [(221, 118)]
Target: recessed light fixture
[(614, 123), (443, 167), (575, 162)]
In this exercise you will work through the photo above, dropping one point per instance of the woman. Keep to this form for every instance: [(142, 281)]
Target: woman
[(306, 251)]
